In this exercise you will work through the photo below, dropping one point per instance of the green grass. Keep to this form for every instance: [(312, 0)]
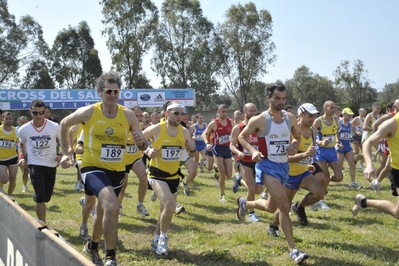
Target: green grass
[(208, 233)]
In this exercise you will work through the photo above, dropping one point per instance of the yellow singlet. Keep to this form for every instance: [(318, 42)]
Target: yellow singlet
[(329, 131), (301, 166), (169, 152), (393, 144), (105, 140), (8, 143)]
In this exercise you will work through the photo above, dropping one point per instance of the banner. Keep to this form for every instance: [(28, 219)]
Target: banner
[(73, 99)]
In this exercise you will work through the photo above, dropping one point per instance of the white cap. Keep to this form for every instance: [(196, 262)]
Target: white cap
[(307, 108)]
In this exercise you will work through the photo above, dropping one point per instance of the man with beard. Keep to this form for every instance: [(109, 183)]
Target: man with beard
[(244, 159), (278, 136)]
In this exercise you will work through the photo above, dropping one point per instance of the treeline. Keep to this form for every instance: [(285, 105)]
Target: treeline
[(223, 62)]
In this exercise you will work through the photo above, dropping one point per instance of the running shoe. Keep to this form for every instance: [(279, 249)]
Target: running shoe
[(253, 217), (300, 213), (355, 185), (298, 256), (323, 205), (375, 185), (272, 230), (264, 195), (93, 254), (110, 261), (142, 211), (179, 209), (186, 189), (223, 199), (24, 188), (84, 233), (162, 247), (241, 208), (236, 183), (358, 206)]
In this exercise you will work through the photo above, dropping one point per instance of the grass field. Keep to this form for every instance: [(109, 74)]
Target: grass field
[(209, 233)]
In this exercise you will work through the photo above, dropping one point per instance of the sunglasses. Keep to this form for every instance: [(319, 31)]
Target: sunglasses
[(109, 91), (178, 113), (37, 113)]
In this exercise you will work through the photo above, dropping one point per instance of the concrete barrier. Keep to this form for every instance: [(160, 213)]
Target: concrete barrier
[(26, 242)]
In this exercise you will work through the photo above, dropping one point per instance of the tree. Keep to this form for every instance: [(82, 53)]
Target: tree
[(390, 92), (75, 62), (183, 47), (355, 85), (19, 43), (37, 76), (248, 49), (130, 26), (308, 87)]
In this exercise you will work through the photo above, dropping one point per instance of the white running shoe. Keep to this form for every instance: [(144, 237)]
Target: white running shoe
[(162, 248), (375, 185), (25, 189), (358, 206), (323, 205)]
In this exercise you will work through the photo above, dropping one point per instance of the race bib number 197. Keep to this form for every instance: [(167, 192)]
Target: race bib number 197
[(171, 153)]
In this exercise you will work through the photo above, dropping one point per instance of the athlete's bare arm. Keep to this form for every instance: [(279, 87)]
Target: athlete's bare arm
[(135, 128), (234, 141)]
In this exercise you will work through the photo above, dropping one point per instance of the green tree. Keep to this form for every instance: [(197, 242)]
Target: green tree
[(130, 26), (37, 76), (390, 92), (355, 85), (184, 48), (75, 62), (248, 49), (20, 43), (308, 87)]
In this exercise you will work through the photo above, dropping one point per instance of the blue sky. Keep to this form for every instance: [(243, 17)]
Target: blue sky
[(318, 34)]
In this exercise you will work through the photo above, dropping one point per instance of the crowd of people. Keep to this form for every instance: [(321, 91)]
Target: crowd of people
[(272, 154)]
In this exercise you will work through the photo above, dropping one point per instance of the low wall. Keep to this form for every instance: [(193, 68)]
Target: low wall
[(26, 242)]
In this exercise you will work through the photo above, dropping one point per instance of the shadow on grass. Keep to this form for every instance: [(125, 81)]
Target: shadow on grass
[(207, 257), (379, 253)]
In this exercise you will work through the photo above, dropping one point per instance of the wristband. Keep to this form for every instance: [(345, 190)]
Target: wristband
[(21, 156), (193, 150)]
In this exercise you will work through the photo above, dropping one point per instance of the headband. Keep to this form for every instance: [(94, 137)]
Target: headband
[(175, 105)]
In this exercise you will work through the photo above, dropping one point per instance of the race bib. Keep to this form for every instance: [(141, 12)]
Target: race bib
[(131, 148), (224, 139), (278, 147), (345, 136), (246, 152), (331, 138), (112, 153), (6, 144), (171, 153)]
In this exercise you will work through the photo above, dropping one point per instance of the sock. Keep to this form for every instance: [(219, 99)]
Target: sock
[(93, 245), (156, 237), (110, 253), (251, 212), (165, 235), (363, 203), (140, 203)]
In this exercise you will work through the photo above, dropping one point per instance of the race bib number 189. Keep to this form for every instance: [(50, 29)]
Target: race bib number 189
[(112, 153)]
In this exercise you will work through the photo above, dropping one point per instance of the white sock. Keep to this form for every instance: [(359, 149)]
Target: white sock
[(165, 235)]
